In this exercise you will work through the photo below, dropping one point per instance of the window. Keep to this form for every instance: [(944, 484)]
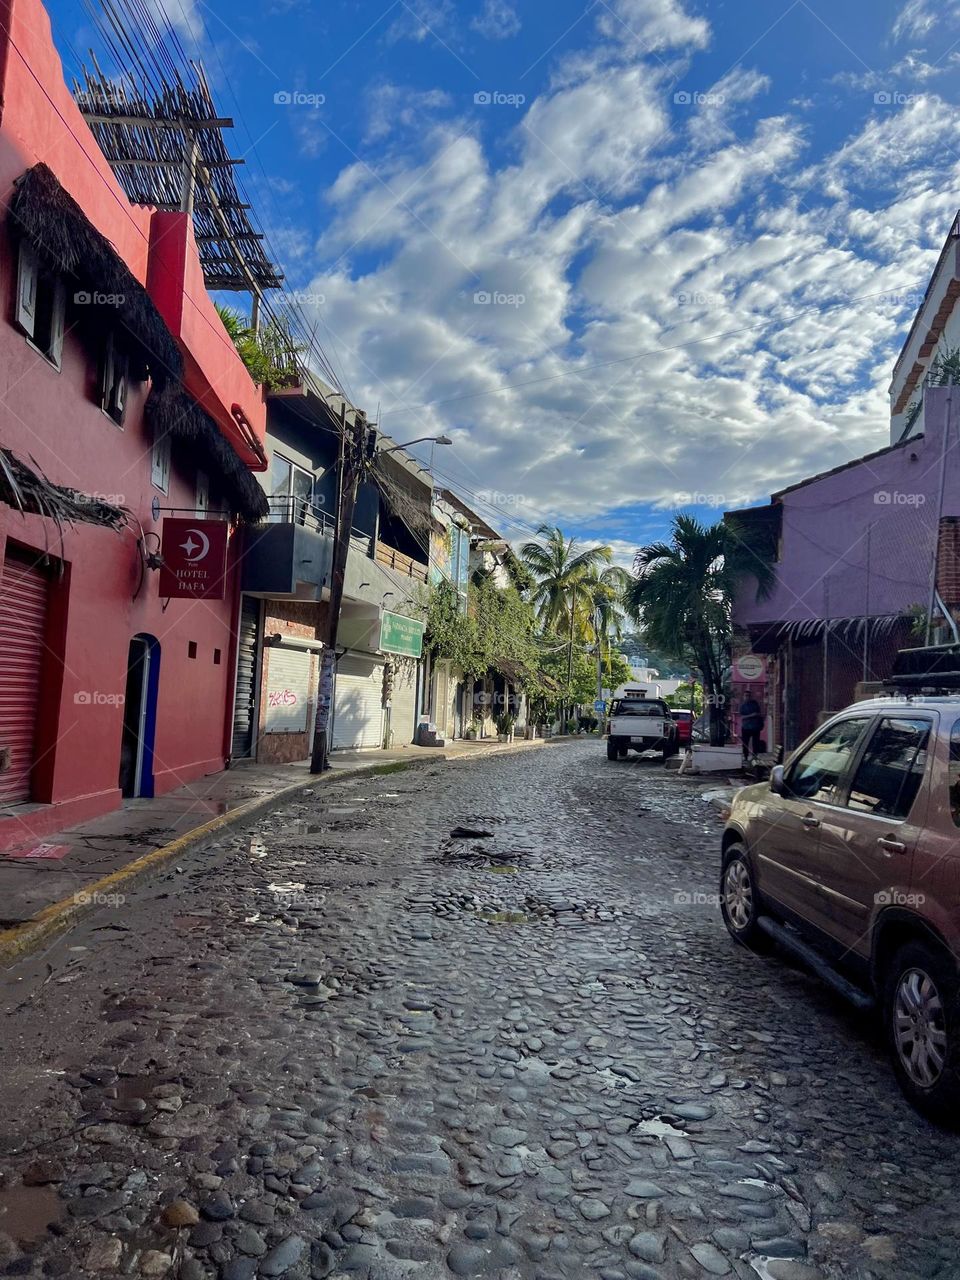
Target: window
[(290, 492), (40, 303), (113, 380), (160, 463), (953, 773), (203, 494), (889, 775), (640, 707), (817, 774)]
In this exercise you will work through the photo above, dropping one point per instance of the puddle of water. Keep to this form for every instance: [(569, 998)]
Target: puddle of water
[(27, 1212)]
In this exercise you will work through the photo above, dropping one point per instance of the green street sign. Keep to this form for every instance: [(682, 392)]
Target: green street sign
[(399, 634)]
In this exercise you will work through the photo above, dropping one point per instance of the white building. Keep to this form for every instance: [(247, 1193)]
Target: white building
[(935, 333)]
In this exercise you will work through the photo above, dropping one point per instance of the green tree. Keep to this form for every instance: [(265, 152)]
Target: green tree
[(605, 591), (562, 584), (683, 593)]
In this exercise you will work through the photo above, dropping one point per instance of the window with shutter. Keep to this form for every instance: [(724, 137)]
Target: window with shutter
[(27, 290), (41, 306), (160, 469), (113, 379)]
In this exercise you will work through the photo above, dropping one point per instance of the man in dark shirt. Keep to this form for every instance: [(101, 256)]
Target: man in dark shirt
[(751, 726)]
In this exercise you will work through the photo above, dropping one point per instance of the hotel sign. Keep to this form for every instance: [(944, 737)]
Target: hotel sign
[(194, 556)]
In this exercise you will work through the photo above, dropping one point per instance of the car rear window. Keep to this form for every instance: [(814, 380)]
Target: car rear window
[(953, 775), (889, 775), (639, 707)]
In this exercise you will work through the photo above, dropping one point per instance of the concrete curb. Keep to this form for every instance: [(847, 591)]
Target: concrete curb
[(21, 939)]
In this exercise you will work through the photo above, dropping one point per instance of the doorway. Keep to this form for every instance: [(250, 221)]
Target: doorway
[(140, 717)]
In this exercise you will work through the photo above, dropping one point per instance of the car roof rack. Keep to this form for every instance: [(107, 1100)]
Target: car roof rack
[(932, 669)]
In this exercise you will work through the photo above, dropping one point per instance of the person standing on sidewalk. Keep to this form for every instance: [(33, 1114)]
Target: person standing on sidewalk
[(751, 726)]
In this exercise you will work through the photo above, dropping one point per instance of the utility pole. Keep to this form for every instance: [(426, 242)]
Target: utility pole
[(357, 451)]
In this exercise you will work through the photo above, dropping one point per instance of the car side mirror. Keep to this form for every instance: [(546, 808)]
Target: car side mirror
[(777, 784)]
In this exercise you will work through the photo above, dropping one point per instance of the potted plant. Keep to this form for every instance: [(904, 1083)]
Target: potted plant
[(505, 722)]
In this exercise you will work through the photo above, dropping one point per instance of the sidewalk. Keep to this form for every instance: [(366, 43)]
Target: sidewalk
[(45, 884)]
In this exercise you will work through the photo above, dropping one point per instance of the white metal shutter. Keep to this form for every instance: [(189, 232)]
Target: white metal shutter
[(357, 710), (24, 588), (403, 707), (288, 690)]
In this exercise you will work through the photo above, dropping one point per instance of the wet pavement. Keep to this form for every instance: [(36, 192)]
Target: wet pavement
[(347, 1042)]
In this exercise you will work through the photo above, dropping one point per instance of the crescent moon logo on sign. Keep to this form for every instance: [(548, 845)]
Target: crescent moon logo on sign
[(195, 550)]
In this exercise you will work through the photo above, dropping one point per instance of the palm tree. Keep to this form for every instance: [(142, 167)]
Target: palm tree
[(562, 575), (683, 593), (607, 590)]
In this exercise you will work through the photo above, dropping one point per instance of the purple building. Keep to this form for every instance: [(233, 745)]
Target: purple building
[(858, 551)]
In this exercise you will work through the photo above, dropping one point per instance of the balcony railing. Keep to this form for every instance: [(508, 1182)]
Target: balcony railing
[(400, 563), (288, 508)]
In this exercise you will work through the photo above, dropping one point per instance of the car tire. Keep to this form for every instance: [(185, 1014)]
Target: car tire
[(740, 900), (612, 749), (921, 1012), (624, 752), (670, 749)]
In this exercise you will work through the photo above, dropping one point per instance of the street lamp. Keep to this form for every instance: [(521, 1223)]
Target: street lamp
[(419, 440)]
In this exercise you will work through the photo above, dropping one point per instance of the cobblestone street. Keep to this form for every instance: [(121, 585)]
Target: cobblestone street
[(360, 1038)]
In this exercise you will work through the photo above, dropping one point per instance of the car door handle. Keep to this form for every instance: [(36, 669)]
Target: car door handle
[(809, 821), (891, 845)]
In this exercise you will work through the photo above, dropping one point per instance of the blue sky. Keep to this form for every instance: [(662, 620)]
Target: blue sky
[(630, 255)]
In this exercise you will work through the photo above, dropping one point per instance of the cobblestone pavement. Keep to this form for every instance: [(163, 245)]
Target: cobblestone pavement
[(355, 1041)]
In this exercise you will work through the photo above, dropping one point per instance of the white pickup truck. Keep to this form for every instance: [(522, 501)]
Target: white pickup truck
[(640, 724)]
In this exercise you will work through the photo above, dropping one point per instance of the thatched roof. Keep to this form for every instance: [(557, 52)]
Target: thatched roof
[(64, 238), (31, 493), (170, 411), (67, 242)]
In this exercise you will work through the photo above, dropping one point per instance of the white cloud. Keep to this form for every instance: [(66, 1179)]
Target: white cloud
[(918, 17), (654, 25), (497, 20), (420, 20), (393, 107)]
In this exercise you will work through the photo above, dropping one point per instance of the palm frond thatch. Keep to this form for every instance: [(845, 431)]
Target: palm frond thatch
[(67, 242), (31, 493), (170, 412)]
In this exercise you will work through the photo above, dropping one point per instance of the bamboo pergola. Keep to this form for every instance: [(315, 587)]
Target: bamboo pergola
[(167, 149)]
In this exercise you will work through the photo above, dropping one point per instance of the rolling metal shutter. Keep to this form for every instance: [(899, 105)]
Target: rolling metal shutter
[(357, 713), (23, 618), (288, 691), (245, 702)]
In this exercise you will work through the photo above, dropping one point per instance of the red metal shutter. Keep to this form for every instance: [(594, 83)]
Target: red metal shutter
[(23, 616)]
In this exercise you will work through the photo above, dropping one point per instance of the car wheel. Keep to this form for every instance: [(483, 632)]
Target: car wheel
[(740, 900), (624, 752), (612, 749), (922, 1016)]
